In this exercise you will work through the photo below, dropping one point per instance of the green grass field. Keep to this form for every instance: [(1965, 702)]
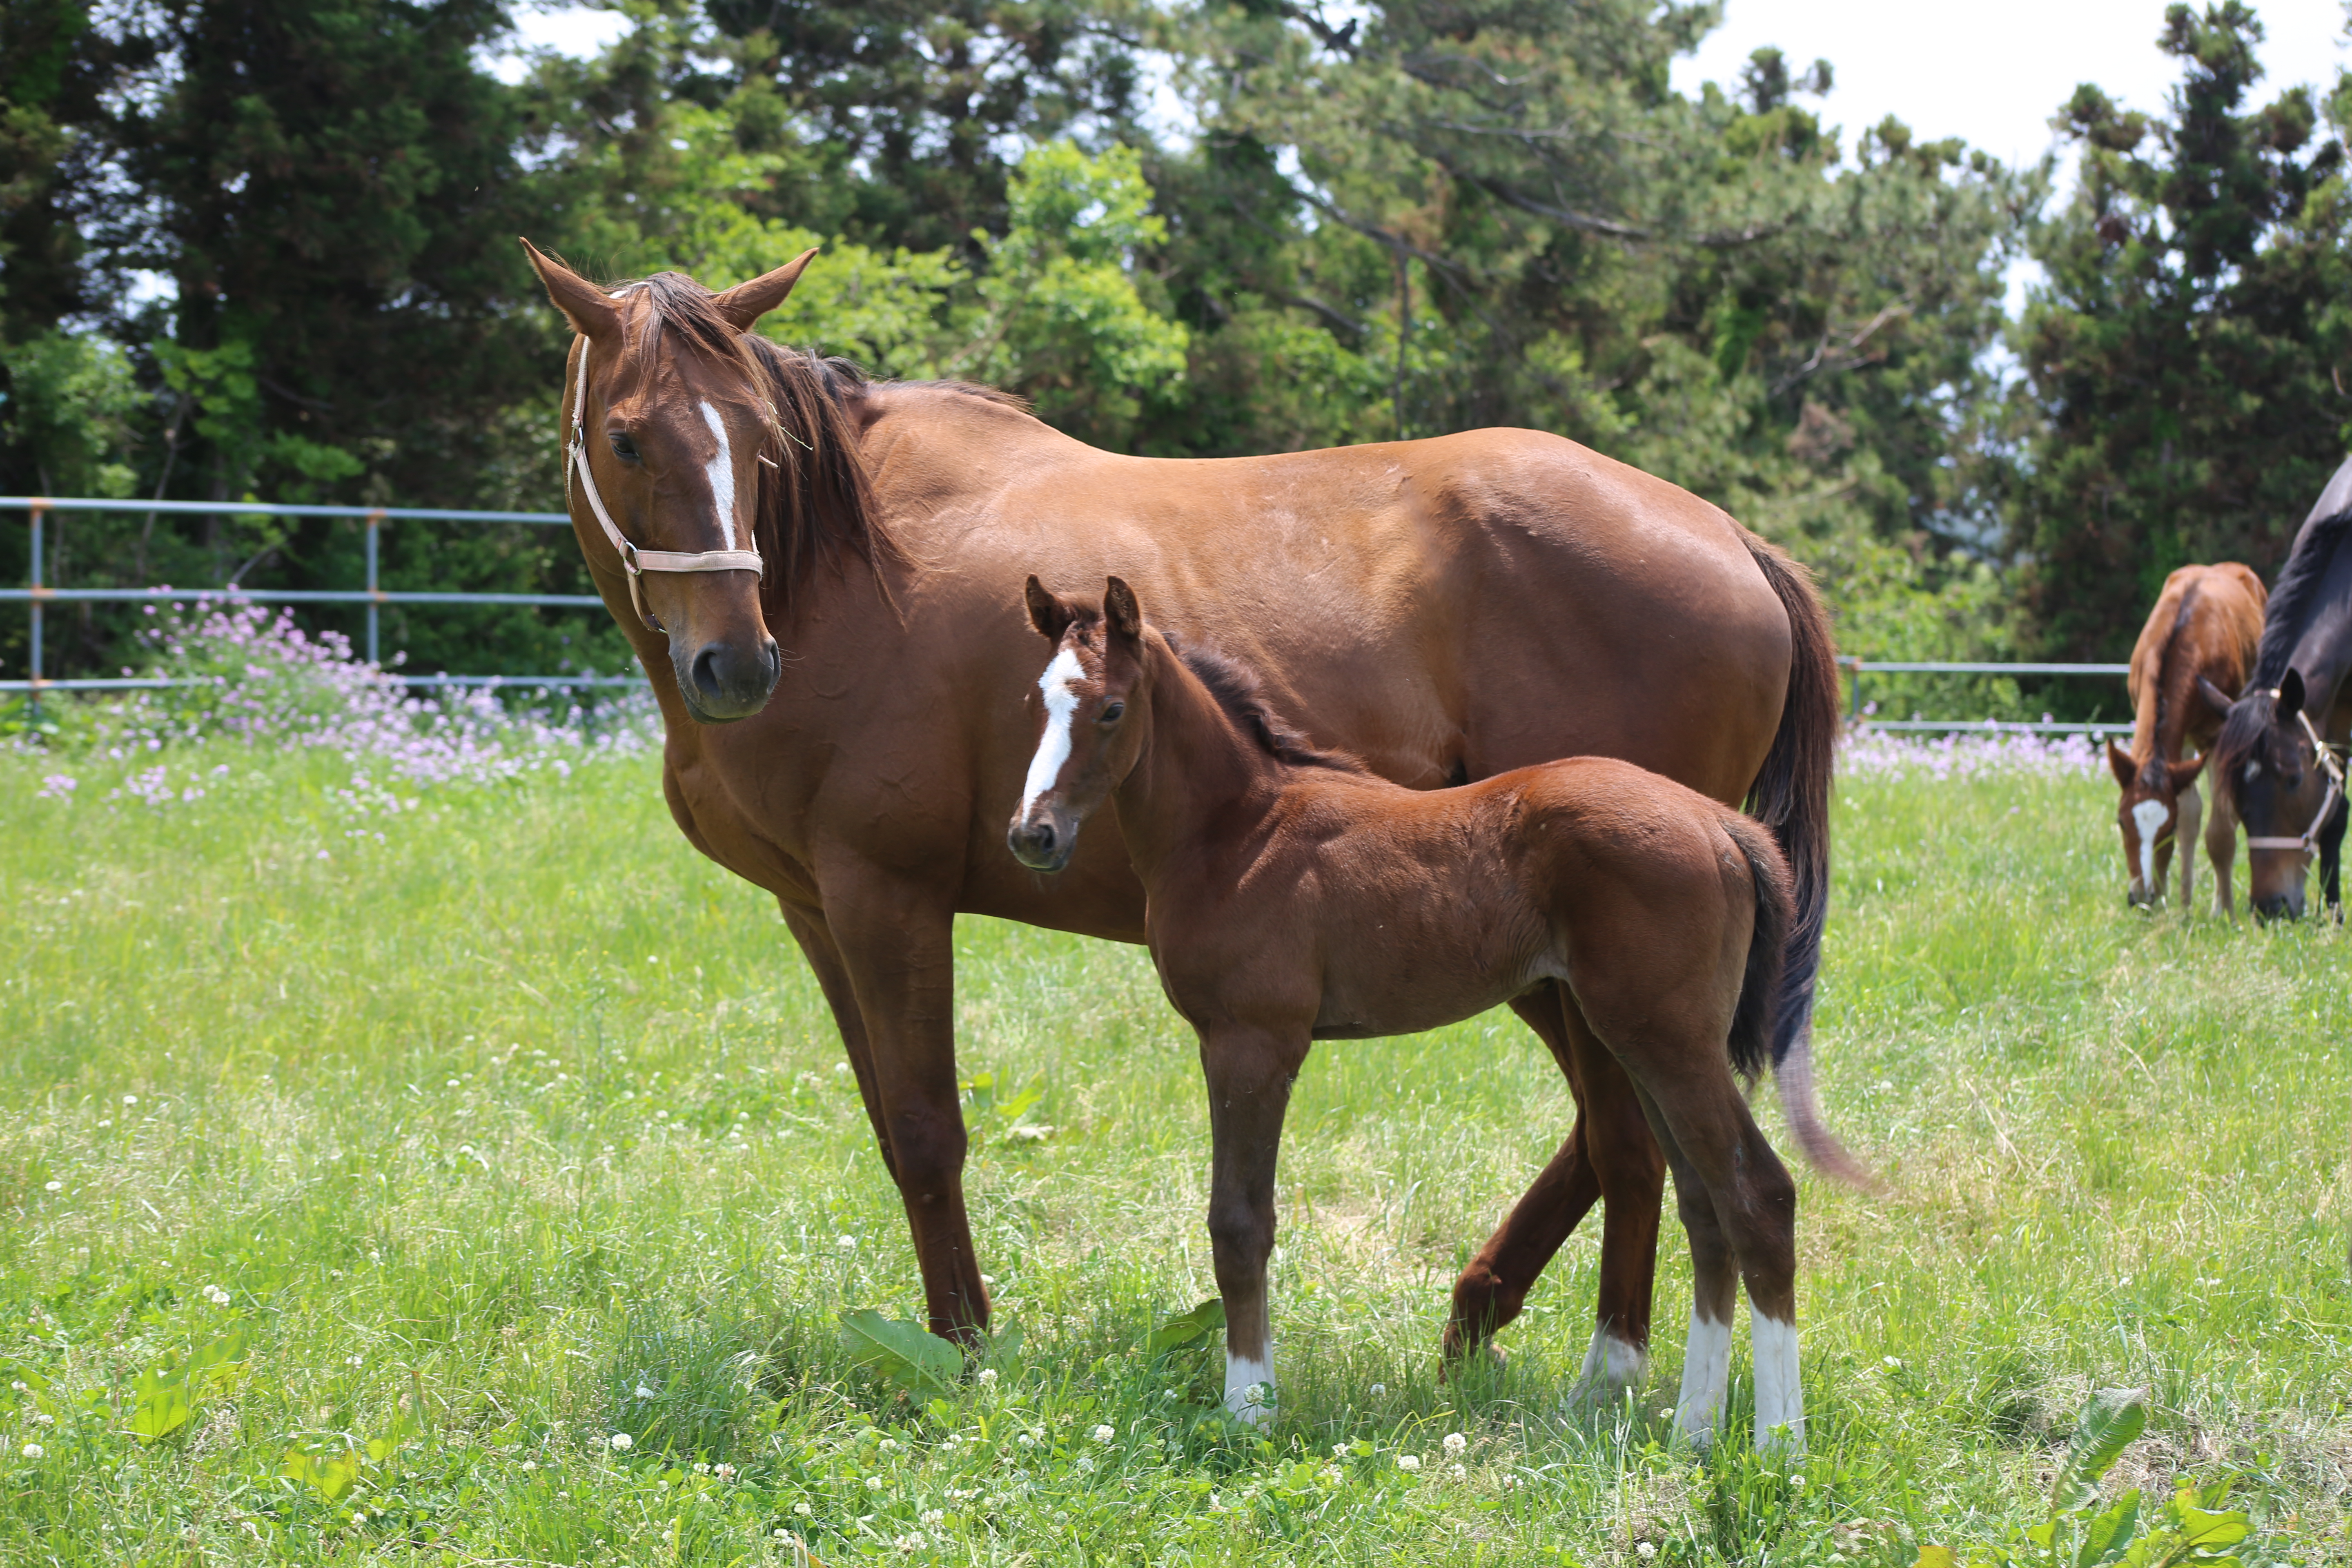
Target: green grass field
[(367, 1170)]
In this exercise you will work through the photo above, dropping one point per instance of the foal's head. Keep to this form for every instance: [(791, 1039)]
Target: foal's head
[(2149, 816), (1097, 701), (2276, 780)]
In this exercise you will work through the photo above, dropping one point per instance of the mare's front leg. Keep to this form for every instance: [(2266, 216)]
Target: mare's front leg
[(2331, 859), (896, 941), (1610, 1155), (1249, 1071), (824, 954)]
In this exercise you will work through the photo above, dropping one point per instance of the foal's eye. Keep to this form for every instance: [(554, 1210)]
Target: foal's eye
[(1113, 711), (623, 448)]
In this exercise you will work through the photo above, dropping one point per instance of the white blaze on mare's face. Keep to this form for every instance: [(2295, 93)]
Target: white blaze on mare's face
[(1779, 1398), (1611, 1364), (721, 470), (1241, 1375), (2148, 817), (1706, 1370), (1058, 684)]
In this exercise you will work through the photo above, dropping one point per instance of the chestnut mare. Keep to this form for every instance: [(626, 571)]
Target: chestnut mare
[(2200, 637), (2272, 757), (1292, 895), (1445, 609)]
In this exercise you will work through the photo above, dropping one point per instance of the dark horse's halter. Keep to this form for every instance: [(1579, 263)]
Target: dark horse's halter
[(636, 562), (2309, 839)]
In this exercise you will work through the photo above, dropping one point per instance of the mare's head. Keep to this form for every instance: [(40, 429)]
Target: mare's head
[(1096, 698), (682, 415), (2264, 757), (2149, 816)]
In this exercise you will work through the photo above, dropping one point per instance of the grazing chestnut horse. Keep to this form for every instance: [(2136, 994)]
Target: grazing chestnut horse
[(2200, 636), (821, 577), (2272, 758), (1292, 895)]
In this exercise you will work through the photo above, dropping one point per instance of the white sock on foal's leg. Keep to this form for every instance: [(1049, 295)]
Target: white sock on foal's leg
[(1779, 1398), (1249, 1388), (1706, 1369), (1612, 1365)]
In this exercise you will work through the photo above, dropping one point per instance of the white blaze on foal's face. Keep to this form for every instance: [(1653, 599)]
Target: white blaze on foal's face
[(1059, 686), (2150, 816)]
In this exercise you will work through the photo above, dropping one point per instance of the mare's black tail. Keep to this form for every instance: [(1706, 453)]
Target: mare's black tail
[(1792, 796)]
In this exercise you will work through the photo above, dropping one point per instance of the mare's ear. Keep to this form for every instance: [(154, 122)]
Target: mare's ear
[(2215, 698), (2119, 762), (2185, 774), (1048, 612), (747, 303), (1126, 617), (589, 309), (2290, 696)]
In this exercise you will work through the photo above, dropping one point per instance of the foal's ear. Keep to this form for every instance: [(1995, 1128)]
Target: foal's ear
[(589, 309), (1048, 612), (2290, 696), (747, 303), (2215, 698), (1126, 617), (2119, 763), (2185, 774)]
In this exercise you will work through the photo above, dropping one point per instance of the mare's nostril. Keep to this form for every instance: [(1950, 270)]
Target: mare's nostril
[(706, 677)]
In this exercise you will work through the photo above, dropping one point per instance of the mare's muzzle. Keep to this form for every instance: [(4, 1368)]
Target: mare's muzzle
[(1043, 839), (723, 681)]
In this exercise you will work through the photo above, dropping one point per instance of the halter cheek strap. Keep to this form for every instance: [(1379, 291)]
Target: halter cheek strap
[(2308, 842), (636, 562)]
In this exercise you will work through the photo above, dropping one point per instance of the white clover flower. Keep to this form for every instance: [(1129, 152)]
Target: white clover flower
[(1407, 1461), (621, 1442), (987, 1374), (350, 1361), (700, 1468), (130, 1100), (1340, 1450), (782, 1534), (933, 1516), (1105, 1434), (724, 1472), (55, 1188), (644, 1392), (1378, 1389), (1085, 1464), (453, 1083), (33, 1450), (1893, 1363), (1645, 1551), (890, 1445), (846, 1242), (1457, 1472), (802, 1510), (909, 1542), (43, 1418), (1798, 1483), (1454, 1443), (1023, 1439), (874, 1483)]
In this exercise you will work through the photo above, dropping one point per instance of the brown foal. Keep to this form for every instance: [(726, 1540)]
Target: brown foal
[(2192, 657), (1292, 895)]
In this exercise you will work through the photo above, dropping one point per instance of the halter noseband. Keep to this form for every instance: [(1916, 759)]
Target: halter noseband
[(2309, 839), (636, 562)]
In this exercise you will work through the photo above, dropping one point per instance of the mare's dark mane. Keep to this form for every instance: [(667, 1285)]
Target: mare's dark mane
[(1236, 688), (816, 503)]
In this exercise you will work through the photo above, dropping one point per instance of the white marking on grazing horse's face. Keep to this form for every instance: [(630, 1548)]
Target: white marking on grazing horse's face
[(2150, 816), (721, 472), (1059, 685)]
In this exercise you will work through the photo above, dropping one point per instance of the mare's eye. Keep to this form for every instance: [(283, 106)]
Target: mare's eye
[(1113, 711), (623, 448)]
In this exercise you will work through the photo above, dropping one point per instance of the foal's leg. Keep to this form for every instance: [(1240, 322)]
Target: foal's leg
[(1249, 1073), (2190, 811), (1608, 1154), (897, 951), (2222, 846)]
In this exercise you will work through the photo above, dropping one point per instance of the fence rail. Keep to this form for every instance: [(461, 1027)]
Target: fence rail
[(38, 594), (1857, 669)]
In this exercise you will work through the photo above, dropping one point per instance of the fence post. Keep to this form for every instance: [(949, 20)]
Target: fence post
[(32, 695), (375, 592), (1854, 680)]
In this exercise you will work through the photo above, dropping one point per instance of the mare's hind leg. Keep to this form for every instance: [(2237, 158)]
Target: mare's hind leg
[(1249, 1074), (2190, 808), (1609, 1156)]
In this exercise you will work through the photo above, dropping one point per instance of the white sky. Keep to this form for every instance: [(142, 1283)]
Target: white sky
[(1996, 70)]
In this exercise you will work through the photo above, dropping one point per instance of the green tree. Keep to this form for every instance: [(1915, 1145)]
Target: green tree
[(2183, 358)]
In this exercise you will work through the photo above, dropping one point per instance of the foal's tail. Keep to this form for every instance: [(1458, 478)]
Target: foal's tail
[(1760, 984), (1792, 796)]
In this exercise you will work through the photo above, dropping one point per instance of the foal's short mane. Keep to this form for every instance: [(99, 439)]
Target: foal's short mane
[(1237, 688)]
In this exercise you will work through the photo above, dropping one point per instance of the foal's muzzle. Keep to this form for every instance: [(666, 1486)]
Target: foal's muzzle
[(1042, 841), (723, 681)]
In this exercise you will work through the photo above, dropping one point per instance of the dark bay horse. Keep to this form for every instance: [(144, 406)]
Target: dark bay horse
[(821, 577), (2200, 636), (1292, 895), (2272, 755)]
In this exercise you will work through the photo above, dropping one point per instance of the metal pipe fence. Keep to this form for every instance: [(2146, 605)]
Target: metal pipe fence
[(37, 595)]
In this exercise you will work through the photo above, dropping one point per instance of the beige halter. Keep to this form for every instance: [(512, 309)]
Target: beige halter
[(2309, 840), (636, 562)]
